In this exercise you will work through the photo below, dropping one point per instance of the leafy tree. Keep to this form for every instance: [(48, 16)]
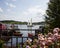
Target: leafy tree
[(53, 14)]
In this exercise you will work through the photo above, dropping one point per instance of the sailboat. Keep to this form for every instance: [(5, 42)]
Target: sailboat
[(30, 24)]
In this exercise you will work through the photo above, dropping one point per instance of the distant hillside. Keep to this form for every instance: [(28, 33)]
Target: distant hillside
[(39, 23), (19, 22), (12, 22)]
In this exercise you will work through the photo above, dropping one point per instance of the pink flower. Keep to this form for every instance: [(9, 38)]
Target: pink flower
[(50, 35), (34, 46), (56, 30), (49, 41), (28, 46), (58, 37)]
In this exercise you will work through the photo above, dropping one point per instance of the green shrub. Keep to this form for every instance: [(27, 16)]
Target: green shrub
[(1, 43)]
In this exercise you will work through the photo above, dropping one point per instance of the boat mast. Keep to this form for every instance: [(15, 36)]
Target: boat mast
[(28, 23), (31, 22)]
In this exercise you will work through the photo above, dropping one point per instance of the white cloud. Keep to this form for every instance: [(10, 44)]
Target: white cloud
[(34, 10), (1, 10), (2, 17), (10, 5), (36, 13), (8, 10)]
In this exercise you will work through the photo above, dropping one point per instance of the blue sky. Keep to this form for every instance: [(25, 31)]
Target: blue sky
[(23, 10)]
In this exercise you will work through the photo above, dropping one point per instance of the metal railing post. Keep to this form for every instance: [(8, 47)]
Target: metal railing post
[(16, 42), (11, 41), (22, 41)]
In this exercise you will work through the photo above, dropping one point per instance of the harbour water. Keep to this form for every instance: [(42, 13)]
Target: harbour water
[(25, 34)]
